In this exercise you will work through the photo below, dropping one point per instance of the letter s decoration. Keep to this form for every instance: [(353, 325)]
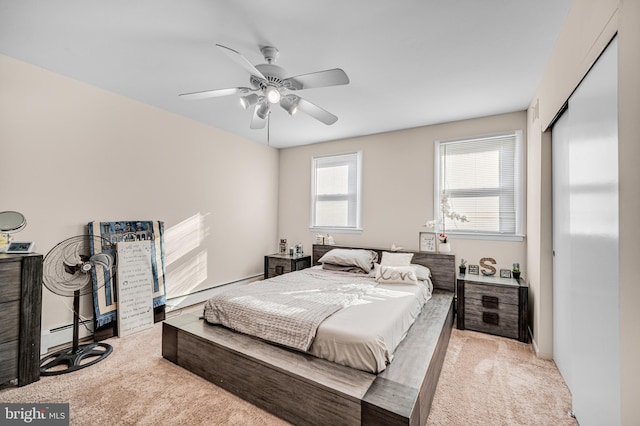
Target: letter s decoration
[(487, 262)]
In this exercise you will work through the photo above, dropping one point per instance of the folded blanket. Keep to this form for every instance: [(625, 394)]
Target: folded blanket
[(286, 309)]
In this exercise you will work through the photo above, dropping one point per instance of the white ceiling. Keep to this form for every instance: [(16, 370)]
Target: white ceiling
[(411, 63)]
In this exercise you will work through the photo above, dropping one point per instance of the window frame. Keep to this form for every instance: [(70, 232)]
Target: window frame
[(519, 189), (357, 214)]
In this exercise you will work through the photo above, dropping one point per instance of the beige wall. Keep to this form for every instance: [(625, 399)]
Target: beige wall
[(397, 188), (589, 28), (539, 238), (629, 153), (88, 154)]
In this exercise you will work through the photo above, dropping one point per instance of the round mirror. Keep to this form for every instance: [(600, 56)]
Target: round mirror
[(11, 221)]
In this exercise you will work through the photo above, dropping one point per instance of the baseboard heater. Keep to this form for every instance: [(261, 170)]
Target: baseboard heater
[(63, 335), (178, 302)]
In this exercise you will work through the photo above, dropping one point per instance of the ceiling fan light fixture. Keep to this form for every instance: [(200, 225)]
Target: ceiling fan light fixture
[(290, 104), (263, 110), (272, 94), (249, 100)]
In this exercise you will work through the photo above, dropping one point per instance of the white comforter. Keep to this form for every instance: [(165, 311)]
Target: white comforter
[(366, 334), (342, 317)]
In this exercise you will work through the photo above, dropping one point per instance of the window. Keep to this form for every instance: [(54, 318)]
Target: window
[(481, 179), (335, 192)]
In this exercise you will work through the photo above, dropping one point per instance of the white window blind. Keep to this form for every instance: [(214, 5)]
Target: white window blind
[(336, 192), (482, 179)]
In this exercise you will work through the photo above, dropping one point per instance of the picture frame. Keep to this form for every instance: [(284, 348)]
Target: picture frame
[(474, 269), (505, 273), (427, 241), (21, 247)]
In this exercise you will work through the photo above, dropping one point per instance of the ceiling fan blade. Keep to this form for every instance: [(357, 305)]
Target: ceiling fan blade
[(316, 112), (214, 93), (332, 77), (256, 121), (241, 60)]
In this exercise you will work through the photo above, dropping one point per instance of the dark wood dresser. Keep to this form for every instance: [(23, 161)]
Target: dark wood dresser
[(493, 305), (278, 264), (20, 311)]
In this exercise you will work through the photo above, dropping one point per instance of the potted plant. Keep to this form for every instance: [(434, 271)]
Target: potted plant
[(463, 266), (444, 246), (439, 223), (515, 272)]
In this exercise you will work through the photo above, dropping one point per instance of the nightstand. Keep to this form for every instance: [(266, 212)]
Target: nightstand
[(278, 264), (493, 305), (20, 308)]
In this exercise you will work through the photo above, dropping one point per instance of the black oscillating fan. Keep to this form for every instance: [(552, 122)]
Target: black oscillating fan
[(68, 270)]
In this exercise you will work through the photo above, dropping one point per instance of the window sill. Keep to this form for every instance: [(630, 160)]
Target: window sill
[(335, 230), (489, 237)]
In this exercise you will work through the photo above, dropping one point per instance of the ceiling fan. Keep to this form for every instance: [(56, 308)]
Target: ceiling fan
[(270, 85)]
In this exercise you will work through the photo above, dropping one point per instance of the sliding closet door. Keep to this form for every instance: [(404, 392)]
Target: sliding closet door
[(586, 263)]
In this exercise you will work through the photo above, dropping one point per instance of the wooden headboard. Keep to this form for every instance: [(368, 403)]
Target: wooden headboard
[(442, 266)]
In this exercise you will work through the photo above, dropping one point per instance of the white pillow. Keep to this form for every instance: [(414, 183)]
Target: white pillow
[(396, 275), (422, 272), (363, 259), (396, 259)]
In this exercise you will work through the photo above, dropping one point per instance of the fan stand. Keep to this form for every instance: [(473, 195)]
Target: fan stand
[(72, 358)]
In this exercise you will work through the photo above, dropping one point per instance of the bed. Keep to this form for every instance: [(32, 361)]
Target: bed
[(304, 389)]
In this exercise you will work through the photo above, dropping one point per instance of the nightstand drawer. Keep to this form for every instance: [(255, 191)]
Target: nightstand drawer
[(9, 321), (9, 276), (302, 263), (503, 321), (278, 266), (9, 364), (499, 294)]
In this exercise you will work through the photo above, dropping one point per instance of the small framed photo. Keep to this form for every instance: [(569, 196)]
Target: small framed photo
[(21, 247), (428, 241), (474, 269), (505, 273)]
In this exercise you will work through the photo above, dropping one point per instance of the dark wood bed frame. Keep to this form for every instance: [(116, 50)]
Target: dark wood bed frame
[(303, 389)]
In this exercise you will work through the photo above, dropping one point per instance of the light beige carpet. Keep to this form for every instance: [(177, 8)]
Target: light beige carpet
[(486, 380), (490, 380)]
